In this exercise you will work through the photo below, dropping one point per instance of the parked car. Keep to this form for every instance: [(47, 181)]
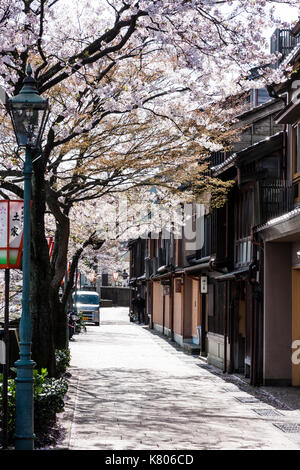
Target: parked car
[(87, 304)]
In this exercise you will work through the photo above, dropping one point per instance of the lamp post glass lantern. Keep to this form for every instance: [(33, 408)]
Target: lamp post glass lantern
[(29, 113)]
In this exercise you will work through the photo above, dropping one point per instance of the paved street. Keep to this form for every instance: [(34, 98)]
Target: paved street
[(132, 389)]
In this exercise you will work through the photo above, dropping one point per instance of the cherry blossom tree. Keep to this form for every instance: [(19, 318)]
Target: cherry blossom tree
[(112, 66)]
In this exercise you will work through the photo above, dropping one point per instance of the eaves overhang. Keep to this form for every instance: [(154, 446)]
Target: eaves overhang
[(257, 150), (238, 273), (290, 114), (281, 227), (262, 148)]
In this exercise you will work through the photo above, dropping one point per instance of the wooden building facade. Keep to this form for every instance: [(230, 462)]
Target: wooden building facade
[(235, 299)]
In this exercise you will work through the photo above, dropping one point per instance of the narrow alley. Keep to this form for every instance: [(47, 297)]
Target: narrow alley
[(132, 389)]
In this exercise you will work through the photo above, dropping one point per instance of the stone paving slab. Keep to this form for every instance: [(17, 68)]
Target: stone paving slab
[(128, 390)]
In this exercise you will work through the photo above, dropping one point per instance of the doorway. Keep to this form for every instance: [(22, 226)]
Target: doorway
[(238, 325)]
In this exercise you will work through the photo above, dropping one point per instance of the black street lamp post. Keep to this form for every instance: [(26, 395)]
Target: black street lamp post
[(29, 113)]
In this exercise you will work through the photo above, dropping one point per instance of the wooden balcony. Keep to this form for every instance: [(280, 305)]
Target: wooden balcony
[(219, 157), (283, 42), (276, 199), (206, 248)]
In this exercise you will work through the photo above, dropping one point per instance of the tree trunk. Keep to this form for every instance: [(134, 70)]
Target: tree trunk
[(58, 269), (60, 321), (43, 348), (48, 312)]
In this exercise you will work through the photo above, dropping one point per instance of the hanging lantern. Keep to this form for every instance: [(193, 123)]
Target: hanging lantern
[(11, 233), (29, 113)]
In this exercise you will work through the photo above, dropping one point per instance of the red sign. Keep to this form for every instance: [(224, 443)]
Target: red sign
[(50, 242), (115, 276), (11, 233), (68, 272)]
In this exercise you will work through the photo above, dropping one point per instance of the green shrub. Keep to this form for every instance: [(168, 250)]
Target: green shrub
[(63, 358), (11, 404), (48, 400)]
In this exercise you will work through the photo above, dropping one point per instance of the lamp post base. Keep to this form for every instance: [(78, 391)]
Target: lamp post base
[(24, 442), (24, 435)]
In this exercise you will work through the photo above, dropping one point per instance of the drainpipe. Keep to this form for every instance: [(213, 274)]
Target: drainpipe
[(164, 309), (183, 297), (284, 152), (253, 360), (203, 325), (225, 329), (254, 344), (231, 330), (151, 304), (172, 306), (254, 318)]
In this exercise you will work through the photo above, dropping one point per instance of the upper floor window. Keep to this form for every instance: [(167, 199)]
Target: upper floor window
[(244, 214), (296, 150), (296, 162)]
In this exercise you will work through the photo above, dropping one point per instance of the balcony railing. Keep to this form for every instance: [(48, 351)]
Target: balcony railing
[(282, 41), (276, 199), (206, 248), (218, 233), (219, 157)]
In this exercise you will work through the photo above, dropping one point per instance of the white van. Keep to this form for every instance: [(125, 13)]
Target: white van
[(87, 303)]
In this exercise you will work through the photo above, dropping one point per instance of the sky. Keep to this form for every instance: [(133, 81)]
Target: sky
[(286, 13)]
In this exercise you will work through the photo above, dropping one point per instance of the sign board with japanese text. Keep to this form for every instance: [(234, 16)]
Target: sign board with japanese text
[(11, 233), (178, 285), (2, 352), (203, 284)]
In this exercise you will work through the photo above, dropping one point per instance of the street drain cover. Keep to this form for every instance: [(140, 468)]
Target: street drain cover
[(247, 399), (267, 412), (288, 427)]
